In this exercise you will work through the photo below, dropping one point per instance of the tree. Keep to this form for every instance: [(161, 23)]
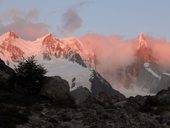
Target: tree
[(29, 76)]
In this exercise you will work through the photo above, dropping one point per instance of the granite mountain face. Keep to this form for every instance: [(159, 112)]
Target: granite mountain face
[(144, 73)]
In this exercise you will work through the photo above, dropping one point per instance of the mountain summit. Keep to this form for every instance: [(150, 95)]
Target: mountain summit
[(144, 52), (144, 72), (50, 48), (13, 48), (10, 36), (142, 41)]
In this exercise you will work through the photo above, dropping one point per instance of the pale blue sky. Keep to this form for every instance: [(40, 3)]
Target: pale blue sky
[(126, 18)]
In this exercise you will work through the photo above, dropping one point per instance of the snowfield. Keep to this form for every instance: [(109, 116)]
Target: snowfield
[(68, 71)]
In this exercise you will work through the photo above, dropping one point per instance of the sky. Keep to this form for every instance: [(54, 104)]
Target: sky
[(64, 18)]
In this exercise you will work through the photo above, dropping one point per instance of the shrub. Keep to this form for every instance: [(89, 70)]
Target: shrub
[(29, 75)]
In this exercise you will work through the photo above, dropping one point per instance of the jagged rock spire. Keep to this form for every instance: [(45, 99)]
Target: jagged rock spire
[(142, 41), (144, 52)]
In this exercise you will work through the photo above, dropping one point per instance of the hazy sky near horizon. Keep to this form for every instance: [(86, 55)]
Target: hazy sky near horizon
[(64, 18)]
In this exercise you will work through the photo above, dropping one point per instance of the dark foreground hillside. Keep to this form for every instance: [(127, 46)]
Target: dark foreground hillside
[(55, 107)]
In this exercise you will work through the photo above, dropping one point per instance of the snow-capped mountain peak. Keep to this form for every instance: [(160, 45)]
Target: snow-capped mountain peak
[(144, 52), (13, 48), (142, 41), (9, 36), (49, 38)]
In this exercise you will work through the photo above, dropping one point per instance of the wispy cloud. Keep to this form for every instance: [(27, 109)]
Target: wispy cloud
[(25, 24), (32, 14), (114, 53), (82, 3), (71, 20)]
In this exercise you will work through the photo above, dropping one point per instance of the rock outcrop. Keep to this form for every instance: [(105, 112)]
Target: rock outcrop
[(55, 88), (100, 85), (98, 111), (80, 95)]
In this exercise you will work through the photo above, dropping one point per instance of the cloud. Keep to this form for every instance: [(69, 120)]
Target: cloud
[(161, 50), (113, 54), (25, 29), (11, 12), (71, 22), (23, 23), (82, 3), (32, 14)]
